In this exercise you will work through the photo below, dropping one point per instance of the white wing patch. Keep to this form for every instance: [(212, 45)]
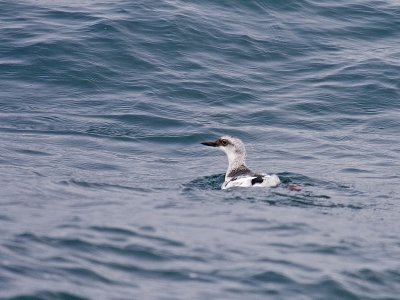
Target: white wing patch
[(246, 181)]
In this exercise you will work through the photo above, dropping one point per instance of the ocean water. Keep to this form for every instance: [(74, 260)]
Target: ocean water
[(107, 193)]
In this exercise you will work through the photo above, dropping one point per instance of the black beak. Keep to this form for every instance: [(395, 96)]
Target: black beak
[(212, 144)]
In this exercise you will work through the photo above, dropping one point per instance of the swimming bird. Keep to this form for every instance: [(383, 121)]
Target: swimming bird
[(238, 174)]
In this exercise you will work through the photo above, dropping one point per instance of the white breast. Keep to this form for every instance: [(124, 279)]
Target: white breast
[(245, 181)]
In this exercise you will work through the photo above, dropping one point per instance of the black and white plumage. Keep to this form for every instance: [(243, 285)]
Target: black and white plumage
[(238, 174)]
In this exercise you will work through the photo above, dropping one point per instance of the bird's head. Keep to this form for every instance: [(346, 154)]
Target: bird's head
[(232, 146)]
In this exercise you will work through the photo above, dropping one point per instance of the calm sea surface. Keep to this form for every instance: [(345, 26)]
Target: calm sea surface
[(107, 193)]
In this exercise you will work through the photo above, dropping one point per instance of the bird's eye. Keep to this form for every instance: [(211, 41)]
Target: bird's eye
[(224, 142)]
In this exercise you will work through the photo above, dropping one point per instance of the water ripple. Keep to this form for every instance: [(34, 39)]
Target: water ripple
[(106, 192)]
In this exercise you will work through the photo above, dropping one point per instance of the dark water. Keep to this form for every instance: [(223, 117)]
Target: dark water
[(106, 193)]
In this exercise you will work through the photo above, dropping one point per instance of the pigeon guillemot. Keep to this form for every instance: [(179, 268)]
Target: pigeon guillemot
[(238, 174)]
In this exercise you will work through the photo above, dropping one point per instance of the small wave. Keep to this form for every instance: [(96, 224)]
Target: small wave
[(130, 233), (49, 295), (97, 185), (212, 182)]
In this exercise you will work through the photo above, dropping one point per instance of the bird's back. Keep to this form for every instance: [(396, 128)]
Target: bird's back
[(253, 180)]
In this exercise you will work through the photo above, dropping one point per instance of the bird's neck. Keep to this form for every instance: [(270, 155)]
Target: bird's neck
[(235, 162)]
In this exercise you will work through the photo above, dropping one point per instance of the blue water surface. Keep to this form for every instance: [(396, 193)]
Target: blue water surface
[(107, 193)]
